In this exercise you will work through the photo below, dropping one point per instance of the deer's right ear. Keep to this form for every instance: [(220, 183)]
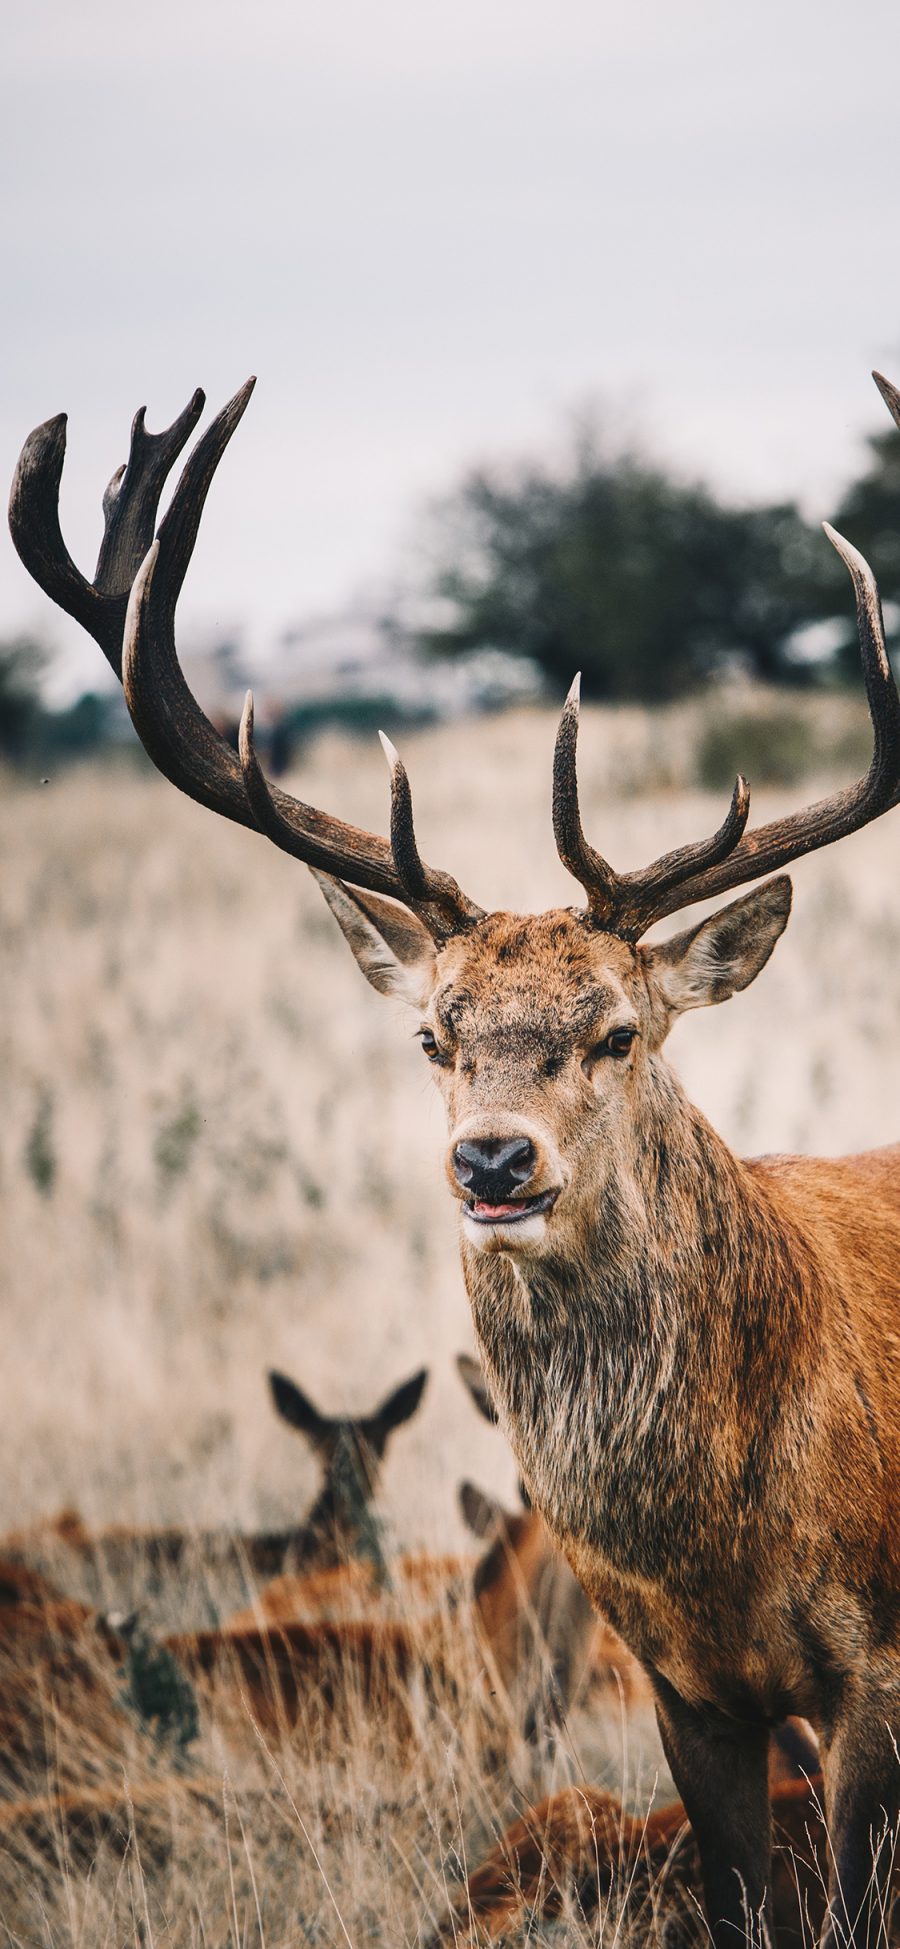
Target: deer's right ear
[(395, 952), (722, 954)]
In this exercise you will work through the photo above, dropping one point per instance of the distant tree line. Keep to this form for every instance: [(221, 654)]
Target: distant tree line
[(648, 584)]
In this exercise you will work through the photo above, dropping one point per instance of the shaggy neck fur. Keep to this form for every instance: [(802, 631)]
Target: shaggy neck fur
[(651, 1381)]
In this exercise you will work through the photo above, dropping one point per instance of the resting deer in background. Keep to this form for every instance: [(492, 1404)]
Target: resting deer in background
[(582, 1841), (341, 1523), (340, 1527), (696, 1359)]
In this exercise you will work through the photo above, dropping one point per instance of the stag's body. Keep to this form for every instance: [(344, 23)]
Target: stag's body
[(696, 1359)]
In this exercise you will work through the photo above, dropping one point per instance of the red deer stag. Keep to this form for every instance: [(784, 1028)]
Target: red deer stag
[(696, 1359)]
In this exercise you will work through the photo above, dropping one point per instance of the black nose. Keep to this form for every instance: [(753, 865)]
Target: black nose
[(495, 1168)]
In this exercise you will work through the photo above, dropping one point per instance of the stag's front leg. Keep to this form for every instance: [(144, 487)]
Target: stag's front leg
[(720, 1768), (862, 1787)]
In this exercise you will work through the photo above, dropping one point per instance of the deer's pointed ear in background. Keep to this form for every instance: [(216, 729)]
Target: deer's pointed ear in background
[(712, 961), (296, 1408), (402, 1404), (482, 1514), (395, 952), (470, 1372)]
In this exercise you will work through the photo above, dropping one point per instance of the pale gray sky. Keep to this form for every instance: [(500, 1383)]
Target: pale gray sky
[(432, 230)]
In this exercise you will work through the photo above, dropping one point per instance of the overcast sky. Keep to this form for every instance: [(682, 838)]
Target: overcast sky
[(432, 230)]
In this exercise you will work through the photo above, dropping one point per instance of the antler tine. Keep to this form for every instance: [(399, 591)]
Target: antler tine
[(129, 507), (403, 830), (363, 858), (890, 395), (423, 886), (352, 854), (587, 867), (641, 893), (132, 497), (173, 729), (179, 527)]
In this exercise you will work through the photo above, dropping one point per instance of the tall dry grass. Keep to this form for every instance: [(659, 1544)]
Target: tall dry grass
[(219, 1152)]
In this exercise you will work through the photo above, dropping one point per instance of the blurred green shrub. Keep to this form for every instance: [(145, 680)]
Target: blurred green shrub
[(40, 1151), (175, 1140), (613, 565), (22, 664), (770, 748)]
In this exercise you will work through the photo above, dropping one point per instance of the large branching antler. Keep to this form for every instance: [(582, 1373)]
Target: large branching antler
[(130, 610), (628, 903)]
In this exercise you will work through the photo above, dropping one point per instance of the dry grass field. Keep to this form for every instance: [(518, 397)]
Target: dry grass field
[(219, 1153)]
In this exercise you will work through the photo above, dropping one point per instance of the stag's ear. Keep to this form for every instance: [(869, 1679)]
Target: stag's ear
[(710, 962), (396, 953)]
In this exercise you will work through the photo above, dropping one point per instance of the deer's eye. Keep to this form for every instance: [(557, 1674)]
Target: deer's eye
[(618, 1043), (430, 1047)]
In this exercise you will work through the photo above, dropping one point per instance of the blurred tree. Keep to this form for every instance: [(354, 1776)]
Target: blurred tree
[(22, 664), (644, 582), (29, 732), (869, 515), (870, 512), (81, 728)]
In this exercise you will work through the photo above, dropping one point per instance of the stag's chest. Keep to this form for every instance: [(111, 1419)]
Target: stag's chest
[(602, 1430)]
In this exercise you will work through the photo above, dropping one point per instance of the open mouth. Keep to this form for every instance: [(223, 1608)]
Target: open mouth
[(512, 1213)]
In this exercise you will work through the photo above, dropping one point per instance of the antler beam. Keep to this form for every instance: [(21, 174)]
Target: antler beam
[(136, 631)]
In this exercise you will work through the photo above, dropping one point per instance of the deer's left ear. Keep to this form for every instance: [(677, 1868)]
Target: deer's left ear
[(395, 952), (402, 1404), (712, 961)]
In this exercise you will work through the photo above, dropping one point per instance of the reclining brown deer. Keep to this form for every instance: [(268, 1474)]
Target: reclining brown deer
[(581, 1842), (696, 1359), (308, 1641)]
